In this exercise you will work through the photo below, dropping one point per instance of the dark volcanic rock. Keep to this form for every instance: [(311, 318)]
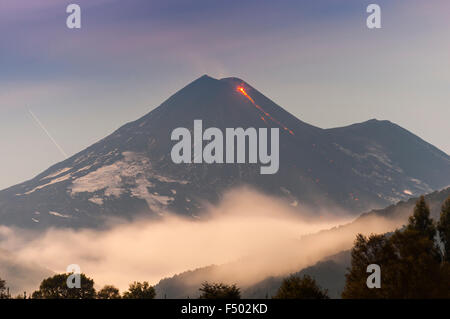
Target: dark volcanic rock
[(130, 172)]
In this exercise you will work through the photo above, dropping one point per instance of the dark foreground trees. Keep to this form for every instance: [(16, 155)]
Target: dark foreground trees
[(413, 265), (3, 289), (56, 288), (444, 229), (140, 290), (295, 287), (108, 292), (219, 291)]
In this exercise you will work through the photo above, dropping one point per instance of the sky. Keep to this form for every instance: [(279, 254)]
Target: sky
[(317, 59)]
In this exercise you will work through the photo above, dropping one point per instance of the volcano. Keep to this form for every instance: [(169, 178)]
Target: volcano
[(130, 172)]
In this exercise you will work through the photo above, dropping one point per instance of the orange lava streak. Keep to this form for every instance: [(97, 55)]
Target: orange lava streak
[(242, 90)]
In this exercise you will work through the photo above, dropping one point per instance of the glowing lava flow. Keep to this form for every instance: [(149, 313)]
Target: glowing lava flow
[(241, 89)]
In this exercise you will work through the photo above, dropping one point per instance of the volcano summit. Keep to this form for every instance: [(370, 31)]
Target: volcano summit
[(130, 172)]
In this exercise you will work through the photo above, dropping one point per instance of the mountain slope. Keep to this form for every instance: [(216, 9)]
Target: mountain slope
[(130, 172), (329, 273)]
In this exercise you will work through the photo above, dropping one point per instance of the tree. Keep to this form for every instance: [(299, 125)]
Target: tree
[(108, 292), (56, 288), (375, 249), (3, 289), (219, 291), (140, 290), (421, 221), (409, 261), (444, 229), (295, 287), (417, 272)]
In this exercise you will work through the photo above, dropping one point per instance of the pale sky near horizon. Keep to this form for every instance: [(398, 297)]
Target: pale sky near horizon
[(317, 59)]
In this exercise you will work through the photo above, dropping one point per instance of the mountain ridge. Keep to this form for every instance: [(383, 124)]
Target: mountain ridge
[(130, 172)]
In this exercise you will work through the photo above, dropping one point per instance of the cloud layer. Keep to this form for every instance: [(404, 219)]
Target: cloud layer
[(253, 235)]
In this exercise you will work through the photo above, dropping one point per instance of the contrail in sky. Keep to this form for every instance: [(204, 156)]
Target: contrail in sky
[(48, 133)]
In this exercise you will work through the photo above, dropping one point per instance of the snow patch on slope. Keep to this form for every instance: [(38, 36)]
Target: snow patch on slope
[(96, 200), (106, 177), (59, 214), (54, 181), (57, 173), (132, 173)]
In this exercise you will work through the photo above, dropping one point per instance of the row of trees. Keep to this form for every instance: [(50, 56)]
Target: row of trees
[(55, 287), (293, 287)]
